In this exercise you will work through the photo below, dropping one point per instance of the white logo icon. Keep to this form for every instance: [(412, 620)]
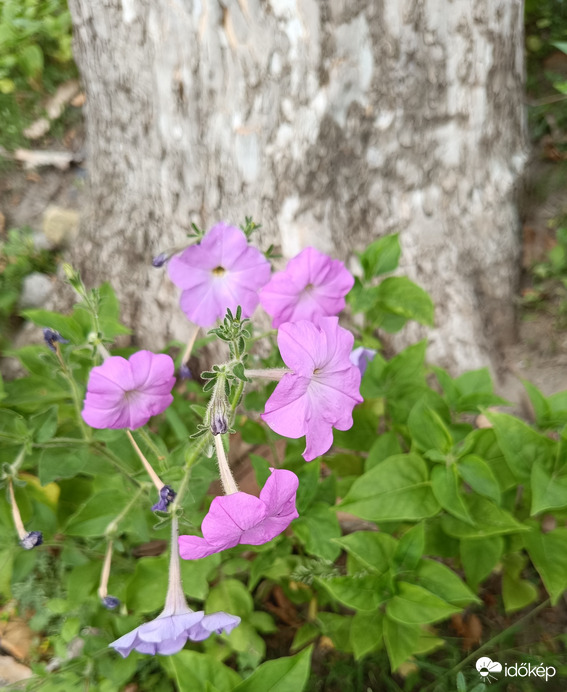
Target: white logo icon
[(486, 667)]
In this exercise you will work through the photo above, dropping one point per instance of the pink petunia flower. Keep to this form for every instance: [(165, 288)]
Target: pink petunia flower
[(311, 285), (221, 272), (323, 388), (242, 518), (127, 393)]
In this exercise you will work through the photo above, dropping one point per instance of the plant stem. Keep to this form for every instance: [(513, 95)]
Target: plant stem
[(268, 373), (105, 574), (113, 526), (22, 533), (190, 344), (74, 393), (175, 601), (156, 480), (489, 645), (151, 444), (227, 480)]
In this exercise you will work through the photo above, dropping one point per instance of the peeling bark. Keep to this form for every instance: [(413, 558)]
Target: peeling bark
[(330, 121)]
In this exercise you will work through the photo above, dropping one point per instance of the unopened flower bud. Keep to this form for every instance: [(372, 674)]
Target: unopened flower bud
[(50, 336), (185, 372), (219, 423), (31, 540), (110, 602), (167, 495), (159, 260)]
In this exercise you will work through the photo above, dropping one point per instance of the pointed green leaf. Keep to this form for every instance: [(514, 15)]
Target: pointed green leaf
[(489, 520), (548, 552), (316, 529), (364, 592), (446, 488), (441, 581), (522, 446), (398, 489), (193, 671), (549, 489), (480, 556), (517, 593), (427, 428), (414, 605), (401, 640), (478, 474), (381, 256), (289, 674), (366, 633), (410, 549), (372, 549), (403, 298)]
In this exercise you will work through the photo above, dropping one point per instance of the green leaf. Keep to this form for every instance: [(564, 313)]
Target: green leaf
[(12, 426), (337, 627), (147, 588), (289, 674), (109, 313), (231, 596), (427, 429), (56, 463), (414, 605), (549, 489), (304, 635), (489, 520), (387, 445), (548, 552), (196, 573), (478, 474), (446, 488), (67, 326), (316, 529), (402, 297), (373, 549), (396, 490), (443, 582), (410, 549), (366, 633), (401, 640), (521, 445), (362, 435), (540, 405), (365, 592), (92, 518), (193, 671), (381, 257), (480, 556), (44, 424), (30, 59), (517, 593)]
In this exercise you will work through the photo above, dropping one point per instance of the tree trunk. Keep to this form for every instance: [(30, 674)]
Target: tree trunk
[(331, 122)]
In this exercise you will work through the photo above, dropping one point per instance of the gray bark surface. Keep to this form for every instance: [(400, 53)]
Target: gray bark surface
[(331, 122)]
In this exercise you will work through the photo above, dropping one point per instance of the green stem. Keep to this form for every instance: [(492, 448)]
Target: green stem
[(113, 525), (195, 452), (151, 444), (489, 646), (75, 395)]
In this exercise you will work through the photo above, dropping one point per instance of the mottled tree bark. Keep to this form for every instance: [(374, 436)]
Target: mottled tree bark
[(330, 121)]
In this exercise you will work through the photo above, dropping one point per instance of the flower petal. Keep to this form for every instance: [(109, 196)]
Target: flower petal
[(229, 516)]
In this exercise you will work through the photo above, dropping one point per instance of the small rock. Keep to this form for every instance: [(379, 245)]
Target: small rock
[(60, 226), (36, 289), (11, 671)]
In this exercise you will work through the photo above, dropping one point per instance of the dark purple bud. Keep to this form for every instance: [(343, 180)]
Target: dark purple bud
[(110, 602), (33, 539), (50, 336), (159, 260), (219, 423), (166, 495), (185, 372)]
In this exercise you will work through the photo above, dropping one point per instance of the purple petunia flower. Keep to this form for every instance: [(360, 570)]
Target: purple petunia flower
[(311, 285), (127, 393), (361, 357), (242, 518), (221, 272), (323, 388), (168, 633)]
